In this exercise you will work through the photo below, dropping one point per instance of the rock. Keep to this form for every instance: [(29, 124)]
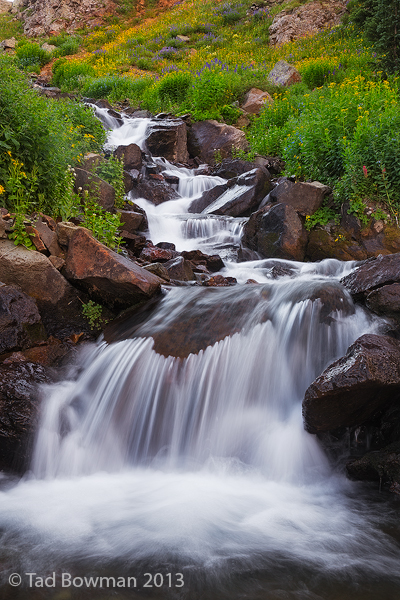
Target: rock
[(244, 197), (9, 44), (106, 276), (276, 232), (57, 262), (154, 191), (284, 74), (5, 6), (64, 231), (305, 198), (208, 197), (333, 242), (59, 304), (385, 301), (232, 167), (153, 253), (49, 354), (255, 100), (183, 38), (373, 273), (382, 466), (305, 20), (48, 47), (213, 262), (19, 403), (20, 322), (135, 242), (48, 237), (131, 156), (35, 238), (130, 220), (91, 161), (103, 192), (220, 281), (179, 268), (207, 137), (168, 138), (159, 270), (356, 387)]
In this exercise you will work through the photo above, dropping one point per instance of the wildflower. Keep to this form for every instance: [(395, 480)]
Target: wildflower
[(365, 171), (2, 190)]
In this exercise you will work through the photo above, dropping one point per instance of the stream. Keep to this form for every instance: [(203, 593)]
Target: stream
[(191, 477)]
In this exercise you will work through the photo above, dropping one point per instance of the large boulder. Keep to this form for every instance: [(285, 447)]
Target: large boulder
[(276, 232), (131, 156), (155, 191), (385, 301), (255, 100), (97, 187), (205, 138), (168, 138), (208, 197), (20, 323), (382, 465), (233, 167), (106, 276), (243, 198), (333, 242), (179, 268), (59, 304), (284, 74), (19, 401), (372, 274), (356, 387), (305, 198)]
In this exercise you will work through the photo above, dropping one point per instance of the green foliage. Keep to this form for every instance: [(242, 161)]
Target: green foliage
[(19, 234), (93, 313), (112, 170), (174, 87), (357, 208), (68, 46), (31, 56), (321, 217), (101, 223), (117, 88), (211, 91), (71, 75)]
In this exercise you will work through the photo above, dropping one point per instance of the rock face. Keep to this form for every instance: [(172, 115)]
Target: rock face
[(168, 138), (18, 405), (255, 100), (284, 74), (20, 322), (356, 387), (276, 232), (305, 20), (305, 198), (106, 276), (244, 197), (42, 17), (58, 302), (207, 137)]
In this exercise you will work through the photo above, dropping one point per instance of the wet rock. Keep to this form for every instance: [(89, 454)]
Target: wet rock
[(131, 156), (333, 242), (48, 237), (206, 137), (276, 232), (159, 270), (154, 191), (131, 221), (180, 269), (168, 138), (59, 304), (356, 387), (151, 253), (213, 262), (305, 198), (166, 245), (20, 322), (207, 198), (233, 167), (284, 74), (244, 197), (106, 276), (372, 274), (220, 281), (380, 465), (135, 242), (255, 100), (103, 191), (48, 354), (385, 301)]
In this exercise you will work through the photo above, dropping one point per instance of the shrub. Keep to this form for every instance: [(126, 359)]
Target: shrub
[(174, 87), (31, 56), (71, 74), (112, 170)]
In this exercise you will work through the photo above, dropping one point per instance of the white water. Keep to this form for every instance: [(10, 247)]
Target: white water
[(202, 462)]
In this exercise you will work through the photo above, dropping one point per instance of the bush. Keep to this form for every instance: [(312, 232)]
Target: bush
[(174, 87), (70, 74), (31, 56)]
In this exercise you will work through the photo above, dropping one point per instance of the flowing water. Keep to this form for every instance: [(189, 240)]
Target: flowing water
[(176, 455)]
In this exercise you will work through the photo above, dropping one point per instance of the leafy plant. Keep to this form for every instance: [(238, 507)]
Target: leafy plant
[(93, 313), (19, 234), (101, 223), (31, 56), (321, 217), (112, 170)]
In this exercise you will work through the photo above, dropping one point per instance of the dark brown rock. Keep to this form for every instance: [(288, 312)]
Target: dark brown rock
[(385, 301), (213, 262), (35, 238), (106, 276), (179, 268), (20, 322), (219, 281), (48, 237), (159, 270), (130, 220), (207, 198), (154, 191), (381, 465), (276, 233), (168, 138), (356, 387), (207, 137), (372, 274), (151, 253), (131, 156), (333, 243), (305, 198), (91, 161), (99, 189), (233, 167)]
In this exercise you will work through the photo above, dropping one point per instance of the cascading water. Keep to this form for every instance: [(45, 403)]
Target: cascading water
[(179, 448)]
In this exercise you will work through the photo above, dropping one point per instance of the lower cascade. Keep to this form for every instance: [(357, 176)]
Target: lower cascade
[(176, 450)]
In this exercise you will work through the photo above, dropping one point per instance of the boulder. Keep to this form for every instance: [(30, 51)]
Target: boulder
[(151, 253), (20, 322), (207, 137), (356, 387), (131, 221), (91, 161), (19, 402), (382, 465), (385, 301), (276, 232), (284, 74), (59, 304), (255, 100), (305, 198), (9, 44), (213, 262), (373, 273), (131, 156), (180, 269), (48, 237), (333, 242), (159, 270), (154, 191), (106, 276), (208, 197), (233, 167), (102, 191), (168, 138), (244, 197)]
